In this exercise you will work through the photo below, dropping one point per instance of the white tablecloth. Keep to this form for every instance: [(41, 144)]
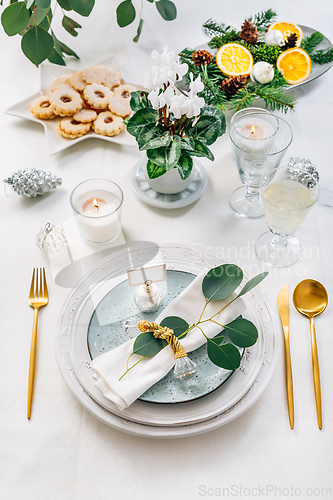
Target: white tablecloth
[(64, 453)]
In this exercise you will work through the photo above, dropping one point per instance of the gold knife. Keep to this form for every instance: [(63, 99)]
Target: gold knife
[(283, 303)]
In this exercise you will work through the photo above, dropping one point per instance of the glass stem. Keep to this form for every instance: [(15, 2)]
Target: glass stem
[(252, 194), (279, 240)]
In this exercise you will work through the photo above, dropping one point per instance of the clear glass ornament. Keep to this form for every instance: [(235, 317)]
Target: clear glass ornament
[(148, 297), (50, 238), (185, 368)]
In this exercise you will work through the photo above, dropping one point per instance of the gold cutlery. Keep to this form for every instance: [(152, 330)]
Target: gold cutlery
[(310, 298), (283, 304), (38, 297)]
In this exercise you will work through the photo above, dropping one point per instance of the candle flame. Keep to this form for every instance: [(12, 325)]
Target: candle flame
[(253, 129), (95, 204)]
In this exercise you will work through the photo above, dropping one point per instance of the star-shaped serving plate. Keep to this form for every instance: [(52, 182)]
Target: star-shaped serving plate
[(56, 143)]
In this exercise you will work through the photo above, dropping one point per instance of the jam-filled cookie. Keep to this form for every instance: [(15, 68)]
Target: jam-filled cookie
[(59, 82), (71, 129), (66, 101), (112, 79), (85, 116), (95, 74), (120, 106), (108, 124), (77, 81), (124, 91), (43, 108), (97, 96)]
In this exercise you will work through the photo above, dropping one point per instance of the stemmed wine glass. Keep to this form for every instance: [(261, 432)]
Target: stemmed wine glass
[(287, 195), (259, 140)]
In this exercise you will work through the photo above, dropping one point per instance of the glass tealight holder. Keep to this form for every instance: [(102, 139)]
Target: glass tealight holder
[(259, 141), (97, 205), (287, 195)]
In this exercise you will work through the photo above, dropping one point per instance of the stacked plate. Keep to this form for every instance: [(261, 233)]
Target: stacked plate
[(96, 317)]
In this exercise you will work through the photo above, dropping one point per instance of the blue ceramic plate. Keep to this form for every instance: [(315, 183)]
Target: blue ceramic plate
[(106, 331)]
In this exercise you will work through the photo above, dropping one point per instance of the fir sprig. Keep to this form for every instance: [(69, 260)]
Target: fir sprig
[(212, 28), (219, 40), (322, 56), (310, 42), (263, 19), (274, 97)]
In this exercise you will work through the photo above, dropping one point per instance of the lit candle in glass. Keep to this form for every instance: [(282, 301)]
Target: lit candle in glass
[(97, 205)]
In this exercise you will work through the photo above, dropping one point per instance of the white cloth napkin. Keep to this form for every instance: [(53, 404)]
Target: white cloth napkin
[(110, 366)]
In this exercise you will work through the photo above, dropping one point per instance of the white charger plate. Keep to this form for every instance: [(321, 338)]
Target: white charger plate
[(140, 418), (55, 142)]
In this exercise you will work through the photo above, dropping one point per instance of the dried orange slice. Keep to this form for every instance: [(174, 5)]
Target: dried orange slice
[(295, 65), (287, 29), (234, 60)]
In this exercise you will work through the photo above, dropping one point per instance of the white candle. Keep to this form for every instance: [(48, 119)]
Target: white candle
[(97, 212), (255, 134)]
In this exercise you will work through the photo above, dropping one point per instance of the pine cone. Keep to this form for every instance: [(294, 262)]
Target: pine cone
[(231, 85), (249, 33), (202, 57), (291, 41)]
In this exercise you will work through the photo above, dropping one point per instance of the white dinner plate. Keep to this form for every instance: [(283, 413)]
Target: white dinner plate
[(73, 357), (55, 142)]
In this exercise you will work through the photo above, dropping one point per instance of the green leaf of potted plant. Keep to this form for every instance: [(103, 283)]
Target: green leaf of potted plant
[(172, 126)]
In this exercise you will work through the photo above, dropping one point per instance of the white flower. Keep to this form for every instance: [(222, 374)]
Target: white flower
[(179, 106), (155, 99), (195, 104), (195, 85), (165, 58), (179, 69), (149, 82)]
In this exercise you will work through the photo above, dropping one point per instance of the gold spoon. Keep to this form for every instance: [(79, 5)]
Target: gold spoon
[(310, 298)]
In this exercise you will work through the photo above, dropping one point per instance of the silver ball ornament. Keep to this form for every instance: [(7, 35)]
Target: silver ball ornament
[(274, 37), (262, 72)]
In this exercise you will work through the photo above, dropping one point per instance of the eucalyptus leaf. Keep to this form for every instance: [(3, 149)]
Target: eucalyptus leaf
[(154, 170), (65, 4), (82, 7), (252, 283), (46, 22), (29, 3), (37, 45), (242, 332), (43, 4), (56, 58), (70, 25), (151, 1), (57, 47), (217, 112), (167, 156), (225, 356), (66, 50), (142, 118), (138, 101), (177, 324), (125, 13), (184, 166), (152, 137), (138, 33), (221, 281), (38, 16), (206, 129), (146, 345), (167, 9), (15, 18), (201, 150)]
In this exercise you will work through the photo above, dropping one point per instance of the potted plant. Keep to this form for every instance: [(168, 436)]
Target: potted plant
[(172, 126)]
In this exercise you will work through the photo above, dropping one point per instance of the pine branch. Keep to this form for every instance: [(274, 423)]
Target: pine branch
[(276, 99), (219, 40), (310, 42), (212, 28), (323, 56), (263, 19)]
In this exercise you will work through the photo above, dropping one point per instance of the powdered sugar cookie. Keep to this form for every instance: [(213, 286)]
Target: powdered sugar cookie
[(77, 81), (108, 124), (59, 82), (112, 79), (66, 101), (95, 74), (97, 96), (124, 91), (85, 116), (71, 129), (43, 108), (120, 106)]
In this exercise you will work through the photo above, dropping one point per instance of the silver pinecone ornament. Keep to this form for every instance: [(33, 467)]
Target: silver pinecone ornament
[(303, 170), (31, 182)]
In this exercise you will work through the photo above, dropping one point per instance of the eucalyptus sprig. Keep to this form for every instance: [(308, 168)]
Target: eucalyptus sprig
[(218, 284)]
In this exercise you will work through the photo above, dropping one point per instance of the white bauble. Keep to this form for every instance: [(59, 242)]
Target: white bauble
[(274, 37), (262, 72)]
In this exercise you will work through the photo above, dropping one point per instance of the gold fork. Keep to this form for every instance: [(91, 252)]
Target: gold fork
[(38, 297)]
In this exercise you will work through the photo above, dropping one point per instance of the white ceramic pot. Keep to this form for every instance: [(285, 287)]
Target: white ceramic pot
[(170, 182)]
